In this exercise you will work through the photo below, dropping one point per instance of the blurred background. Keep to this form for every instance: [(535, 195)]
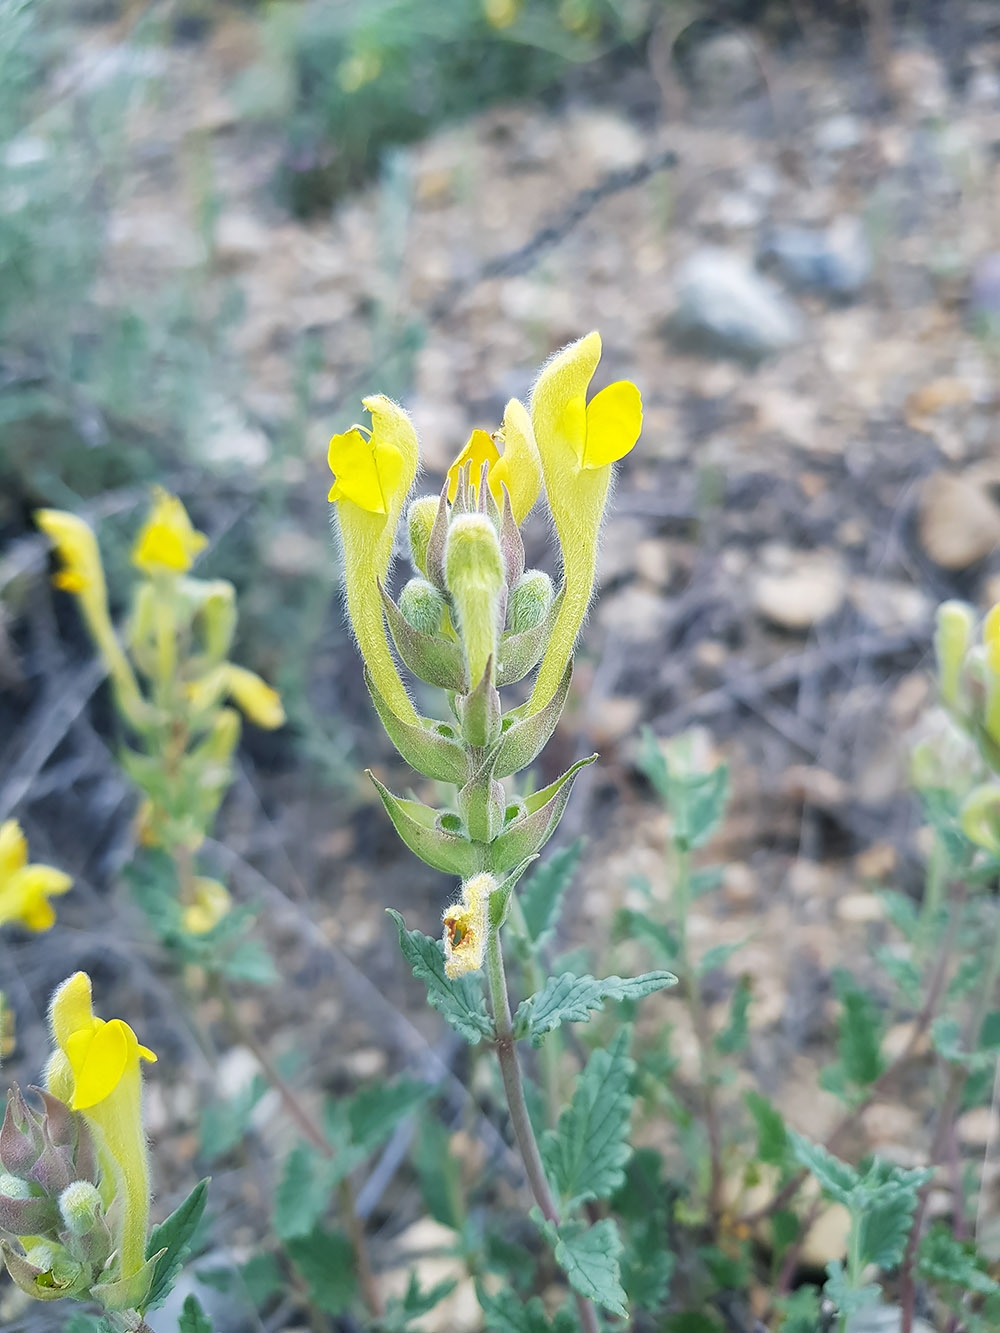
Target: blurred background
[(222, 224)]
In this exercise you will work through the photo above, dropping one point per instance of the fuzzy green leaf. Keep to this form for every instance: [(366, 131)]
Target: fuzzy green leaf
[(326, 1261), (374, 1112), (504, 1313), (589, 1258), (193, 1318), (585, 1155), (173, 1236), (400, 1312), (860, 1033), (570, 999), (303, 1193), (542, 893), (835, 1177), (734, 1036), (801, 1311), (948, 1262), (461, 1001), (772, 1139), (718, 956)]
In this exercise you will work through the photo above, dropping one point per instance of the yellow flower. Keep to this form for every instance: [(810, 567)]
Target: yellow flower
[(578, 443), (259, 701), (466, 924), (95, 1070), (167, 542), (373, 474), (518, 468), (210, 904), (501, 13), (83, 575), (25, 889)]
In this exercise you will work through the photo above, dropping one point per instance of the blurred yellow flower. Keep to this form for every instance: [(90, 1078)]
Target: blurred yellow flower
[(501, 13), (95, 1069), (76, 546), (260, 702), (25, 889), (167, 541), (518, 468), (991, 639), (210, 904)]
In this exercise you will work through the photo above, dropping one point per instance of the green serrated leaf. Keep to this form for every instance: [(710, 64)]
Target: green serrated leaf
[(734, 1036), (262, 1278), (461, 1002), (630, 924), (589, 1257), (87, 1323), (224, 1124), (439, 1173), (401, 1311), (860, 1033), (193, 1318), (570, 999), (542, 892), (504, 1313), (326, 1261), (835, 1177), (801, 1311), (946, 1261), (303, 1193), (718, 956), (249, 961), (173, 1236), (772, 1139), (884, 1204), (585, 1155), (648, 1264), (374, 1112), (989, 1033), (848, 1300), (901, 911)]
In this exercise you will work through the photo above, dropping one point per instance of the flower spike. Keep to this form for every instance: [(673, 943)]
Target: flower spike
[(373, 476)]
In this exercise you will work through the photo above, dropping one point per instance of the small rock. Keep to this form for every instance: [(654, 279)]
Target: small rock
[(898, 1039), (835, 261), (857, 909), (725, 69), (725, 307), (958, 522), (634, 614), (876, 862), (813, 786), (978, 1127), (838, 134), (826, 1239), (917, 82), (653, 562), (798, 589), (239, 240), (230, 439), (739, 884), (612, 719)]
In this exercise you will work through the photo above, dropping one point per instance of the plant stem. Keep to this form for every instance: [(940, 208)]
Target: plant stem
[(702, 1031), (510, 1072), (550, 1051)]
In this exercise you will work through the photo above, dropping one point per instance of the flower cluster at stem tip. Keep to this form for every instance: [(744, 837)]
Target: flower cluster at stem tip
[(172, 680), (74, 1180), (968, 660), (473, 620)]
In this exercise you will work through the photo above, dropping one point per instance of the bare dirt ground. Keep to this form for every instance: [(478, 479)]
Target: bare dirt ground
[(775, 551)]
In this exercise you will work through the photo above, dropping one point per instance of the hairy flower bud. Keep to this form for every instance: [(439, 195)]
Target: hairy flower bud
[(80, 1207), (475, 576), (422, 606), (530, 599), (420, 523)]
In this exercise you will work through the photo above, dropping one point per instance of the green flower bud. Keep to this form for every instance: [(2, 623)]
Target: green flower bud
[(952, 638), (474, 573), (80, 1206), (13, 1188), (419, 522), (980, 817), (530, 599), (422, 605)]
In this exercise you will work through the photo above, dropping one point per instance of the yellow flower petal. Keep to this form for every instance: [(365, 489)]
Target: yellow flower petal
[(991, 638), (76, 547), (367, 471), (480, 449), (520, 468), (614, 421), (38, 914), (13, 847), (98, 1058), (167, 541), (210, 905), (71, 1008), (259, 701)]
